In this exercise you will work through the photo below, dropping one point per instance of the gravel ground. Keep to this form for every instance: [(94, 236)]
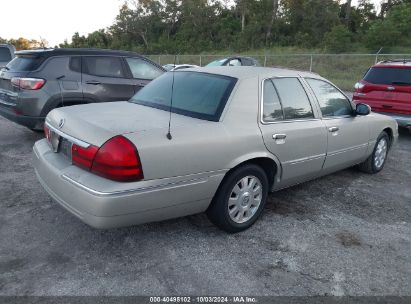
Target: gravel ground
[(345, 234)]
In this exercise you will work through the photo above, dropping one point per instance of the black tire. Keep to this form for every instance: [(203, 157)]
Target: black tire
[(218, 212), (370, 165)]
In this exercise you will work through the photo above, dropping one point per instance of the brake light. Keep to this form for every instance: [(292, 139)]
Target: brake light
[(28, 83), (83, 157), (118, 160)]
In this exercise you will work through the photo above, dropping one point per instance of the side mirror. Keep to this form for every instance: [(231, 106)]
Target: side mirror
[(362, 109)]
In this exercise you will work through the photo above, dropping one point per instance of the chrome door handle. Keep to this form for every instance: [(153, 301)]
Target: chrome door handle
[(279, 136), (391, 88), (333, 129)]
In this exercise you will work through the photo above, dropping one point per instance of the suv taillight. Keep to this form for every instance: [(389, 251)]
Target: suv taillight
[(28, 83), (359, 86), (117, 159)]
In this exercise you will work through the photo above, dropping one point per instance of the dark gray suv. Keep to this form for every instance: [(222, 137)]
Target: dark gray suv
[(37, 81)]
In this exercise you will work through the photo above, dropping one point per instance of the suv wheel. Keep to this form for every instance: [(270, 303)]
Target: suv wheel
[(376, 161), (240, 199)]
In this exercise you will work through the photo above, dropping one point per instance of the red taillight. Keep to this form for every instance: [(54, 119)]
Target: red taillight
[(118, 160), (28, 83), (83, 157)]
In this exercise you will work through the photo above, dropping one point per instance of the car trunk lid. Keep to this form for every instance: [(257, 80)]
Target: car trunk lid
[(97, 123)]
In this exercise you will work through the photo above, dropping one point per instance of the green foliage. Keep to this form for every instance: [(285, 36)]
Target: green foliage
[(394, 29), (199, 26), (338, 40)]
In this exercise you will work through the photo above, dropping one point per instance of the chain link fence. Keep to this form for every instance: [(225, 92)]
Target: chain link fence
[(342, 69)]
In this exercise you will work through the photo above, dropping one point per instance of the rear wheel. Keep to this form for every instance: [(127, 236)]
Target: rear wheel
[(240, 199), (376, 161)]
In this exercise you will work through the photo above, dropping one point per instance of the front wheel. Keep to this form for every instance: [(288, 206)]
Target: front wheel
[(240, 199), (376, 161)]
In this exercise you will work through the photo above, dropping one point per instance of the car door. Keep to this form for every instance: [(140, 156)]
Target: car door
[(141, 71), (292, 129), (104, 79), (348, 135)]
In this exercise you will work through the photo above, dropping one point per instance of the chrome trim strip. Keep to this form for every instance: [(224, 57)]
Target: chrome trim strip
[(304, 159), (139, 190), (347, 149), (74, 140)]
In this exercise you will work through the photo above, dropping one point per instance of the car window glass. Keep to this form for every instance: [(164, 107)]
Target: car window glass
[(395, 76), (5, 54), (25, 63), (234, 62), (75, 64), (198, 95), (103, 66), (332, 102), (272, 110), (293, 98), (142, 69)]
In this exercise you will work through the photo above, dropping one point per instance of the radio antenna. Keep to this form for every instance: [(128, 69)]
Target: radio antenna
[(169, 137)]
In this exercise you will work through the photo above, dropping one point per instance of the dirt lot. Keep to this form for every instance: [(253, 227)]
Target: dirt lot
[(345, 234)]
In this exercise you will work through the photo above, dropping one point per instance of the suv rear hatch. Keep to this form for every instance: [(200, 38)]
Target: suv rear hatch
[(20, 66), (386, 88)]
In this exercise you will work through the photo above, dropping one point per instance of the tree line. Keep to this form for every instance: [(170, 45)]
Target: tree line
[(195, 26)]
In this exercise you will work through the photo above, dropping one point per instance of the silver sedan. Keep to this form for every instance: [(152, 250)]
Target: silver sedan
[(213, 140)]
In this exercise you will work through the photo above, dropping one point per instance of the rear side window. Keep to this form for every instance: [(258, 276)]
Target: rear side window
[(103, 66), (293, 98), (194, 94), (332, 102), (142, 69), (75, 64), (394, 76), (5, 54), (272, 110), (25, 63)]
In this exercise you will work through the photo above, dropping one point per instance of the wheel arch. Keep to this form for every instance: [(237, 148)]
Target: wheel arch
[(268, 162)]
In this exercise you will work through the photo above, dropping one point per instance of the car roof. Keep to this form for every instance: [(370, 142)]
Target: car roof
[(406, 63), (69, 51), (245, 72)]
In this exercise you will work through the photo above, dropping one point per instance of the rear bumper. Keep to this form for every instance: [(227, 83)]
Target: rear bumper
[(27, 121), (102, 203), (403, 120)]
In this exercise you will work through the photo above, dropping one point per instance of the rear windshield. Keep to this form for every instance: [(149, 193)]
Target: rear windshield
[(25, 63), (5, 54), (396, 76), (194, 94)]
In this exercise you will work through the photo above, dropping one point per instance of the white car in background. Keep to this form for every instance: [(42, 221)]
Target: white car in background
[(176, 67)]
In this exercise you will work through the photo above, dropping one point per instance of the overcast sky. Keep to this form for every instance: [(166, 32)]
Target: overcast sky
[(56, 20)]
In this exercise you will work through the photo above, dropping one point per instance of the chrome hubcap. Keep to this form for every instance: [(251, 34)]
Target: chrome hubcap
[(380, 153), (245, 198)]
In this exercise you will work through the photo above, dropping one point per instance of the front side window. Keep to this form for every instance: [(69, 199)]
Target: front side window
[(103, 66), (141, 69), (332, 101), (199, 95)]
